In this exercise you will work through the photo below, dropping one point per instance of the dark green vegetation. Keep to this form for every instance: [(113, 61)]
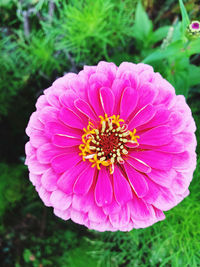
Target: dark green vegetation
[(39, 41)]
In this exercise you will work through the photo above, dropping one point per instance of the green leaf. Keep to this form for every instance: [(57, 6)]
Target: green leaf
[(143, 25), (169, 51), (193, 47), (178, 75), (160, 34), (185, 17), (194, 75)]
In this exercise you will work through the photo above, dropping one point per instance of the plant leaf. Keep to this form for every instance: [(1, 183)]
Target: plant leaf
[(143, 25), (185, 17)]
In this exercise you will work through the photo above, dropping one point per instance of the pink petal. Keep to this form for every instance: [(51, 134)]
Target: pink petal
[(159, 214), (60, 200), (126, 66), (41, 102), (122, 189), (147, 94), (78, 217), (84, 181), (163, 178), (100, 79), (132, 77), (53, 99), (160, 197), (63, 162), (63, 214), (128, 102), (35, 179), (84, 203), (108, 68), (61, 140), (177, 122), (79, 85), (96, 215), (103, 189), (154, 159), (68, 178), (114, 207), (161, 117), (35, 167), (29, 149), (45, 196), (107, 99), (67, 99), (117, 88), (48, 114), (120, 219), (85, 108), (70, 118), (173, 147), (138, 165), (52, 128), (139, 209), (181, 161), (158, 136), (46, 152), (143, 116), (137, 180), (34, 122), (49, 180), (94, 99), (181, 183), (37, 138)]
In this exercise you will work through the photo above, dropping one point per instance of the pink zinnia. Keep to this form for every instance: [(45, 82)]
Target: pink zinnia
[(111, 147)]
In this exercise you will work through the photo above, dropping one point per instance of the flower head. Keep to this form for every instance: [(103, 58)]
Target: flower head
[(111, 147), (193, 30)]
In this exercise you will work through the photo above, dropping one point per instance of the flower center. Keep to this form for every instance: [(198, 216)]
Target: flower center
[(107, 143), (195, 25)]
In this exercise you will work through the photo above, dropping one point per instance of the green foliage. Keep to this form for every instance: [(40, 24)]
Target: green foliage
[(11, 80), (11, 185), (173, 57), (54, 250), (89, 29)]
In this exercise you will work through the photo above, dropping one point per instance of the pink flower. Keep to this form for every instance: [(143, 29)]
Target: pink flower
[(111, 147)]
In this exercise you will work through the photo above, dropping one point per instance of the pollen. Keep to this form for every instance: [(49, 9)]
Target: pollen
[(106, 144)]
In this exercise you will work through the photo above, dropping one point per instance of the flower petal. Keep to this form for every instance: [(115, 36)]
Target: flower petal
[(49, 180), (157, 136), (161, 197), (163, 178), (84, 181), (139, 209), (107, 99), (122, 189), (154, 159), (60, 200), (62, 140), (137, 180), (128, 102), (63, 162), (143, 116), (138, 165), (121, 218), (68, 117), (85, 108), (103, 189), (67, 179)]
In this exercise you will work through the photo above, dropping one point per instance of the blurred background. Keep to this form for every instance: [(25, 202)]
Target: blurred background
[(41, 40)]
